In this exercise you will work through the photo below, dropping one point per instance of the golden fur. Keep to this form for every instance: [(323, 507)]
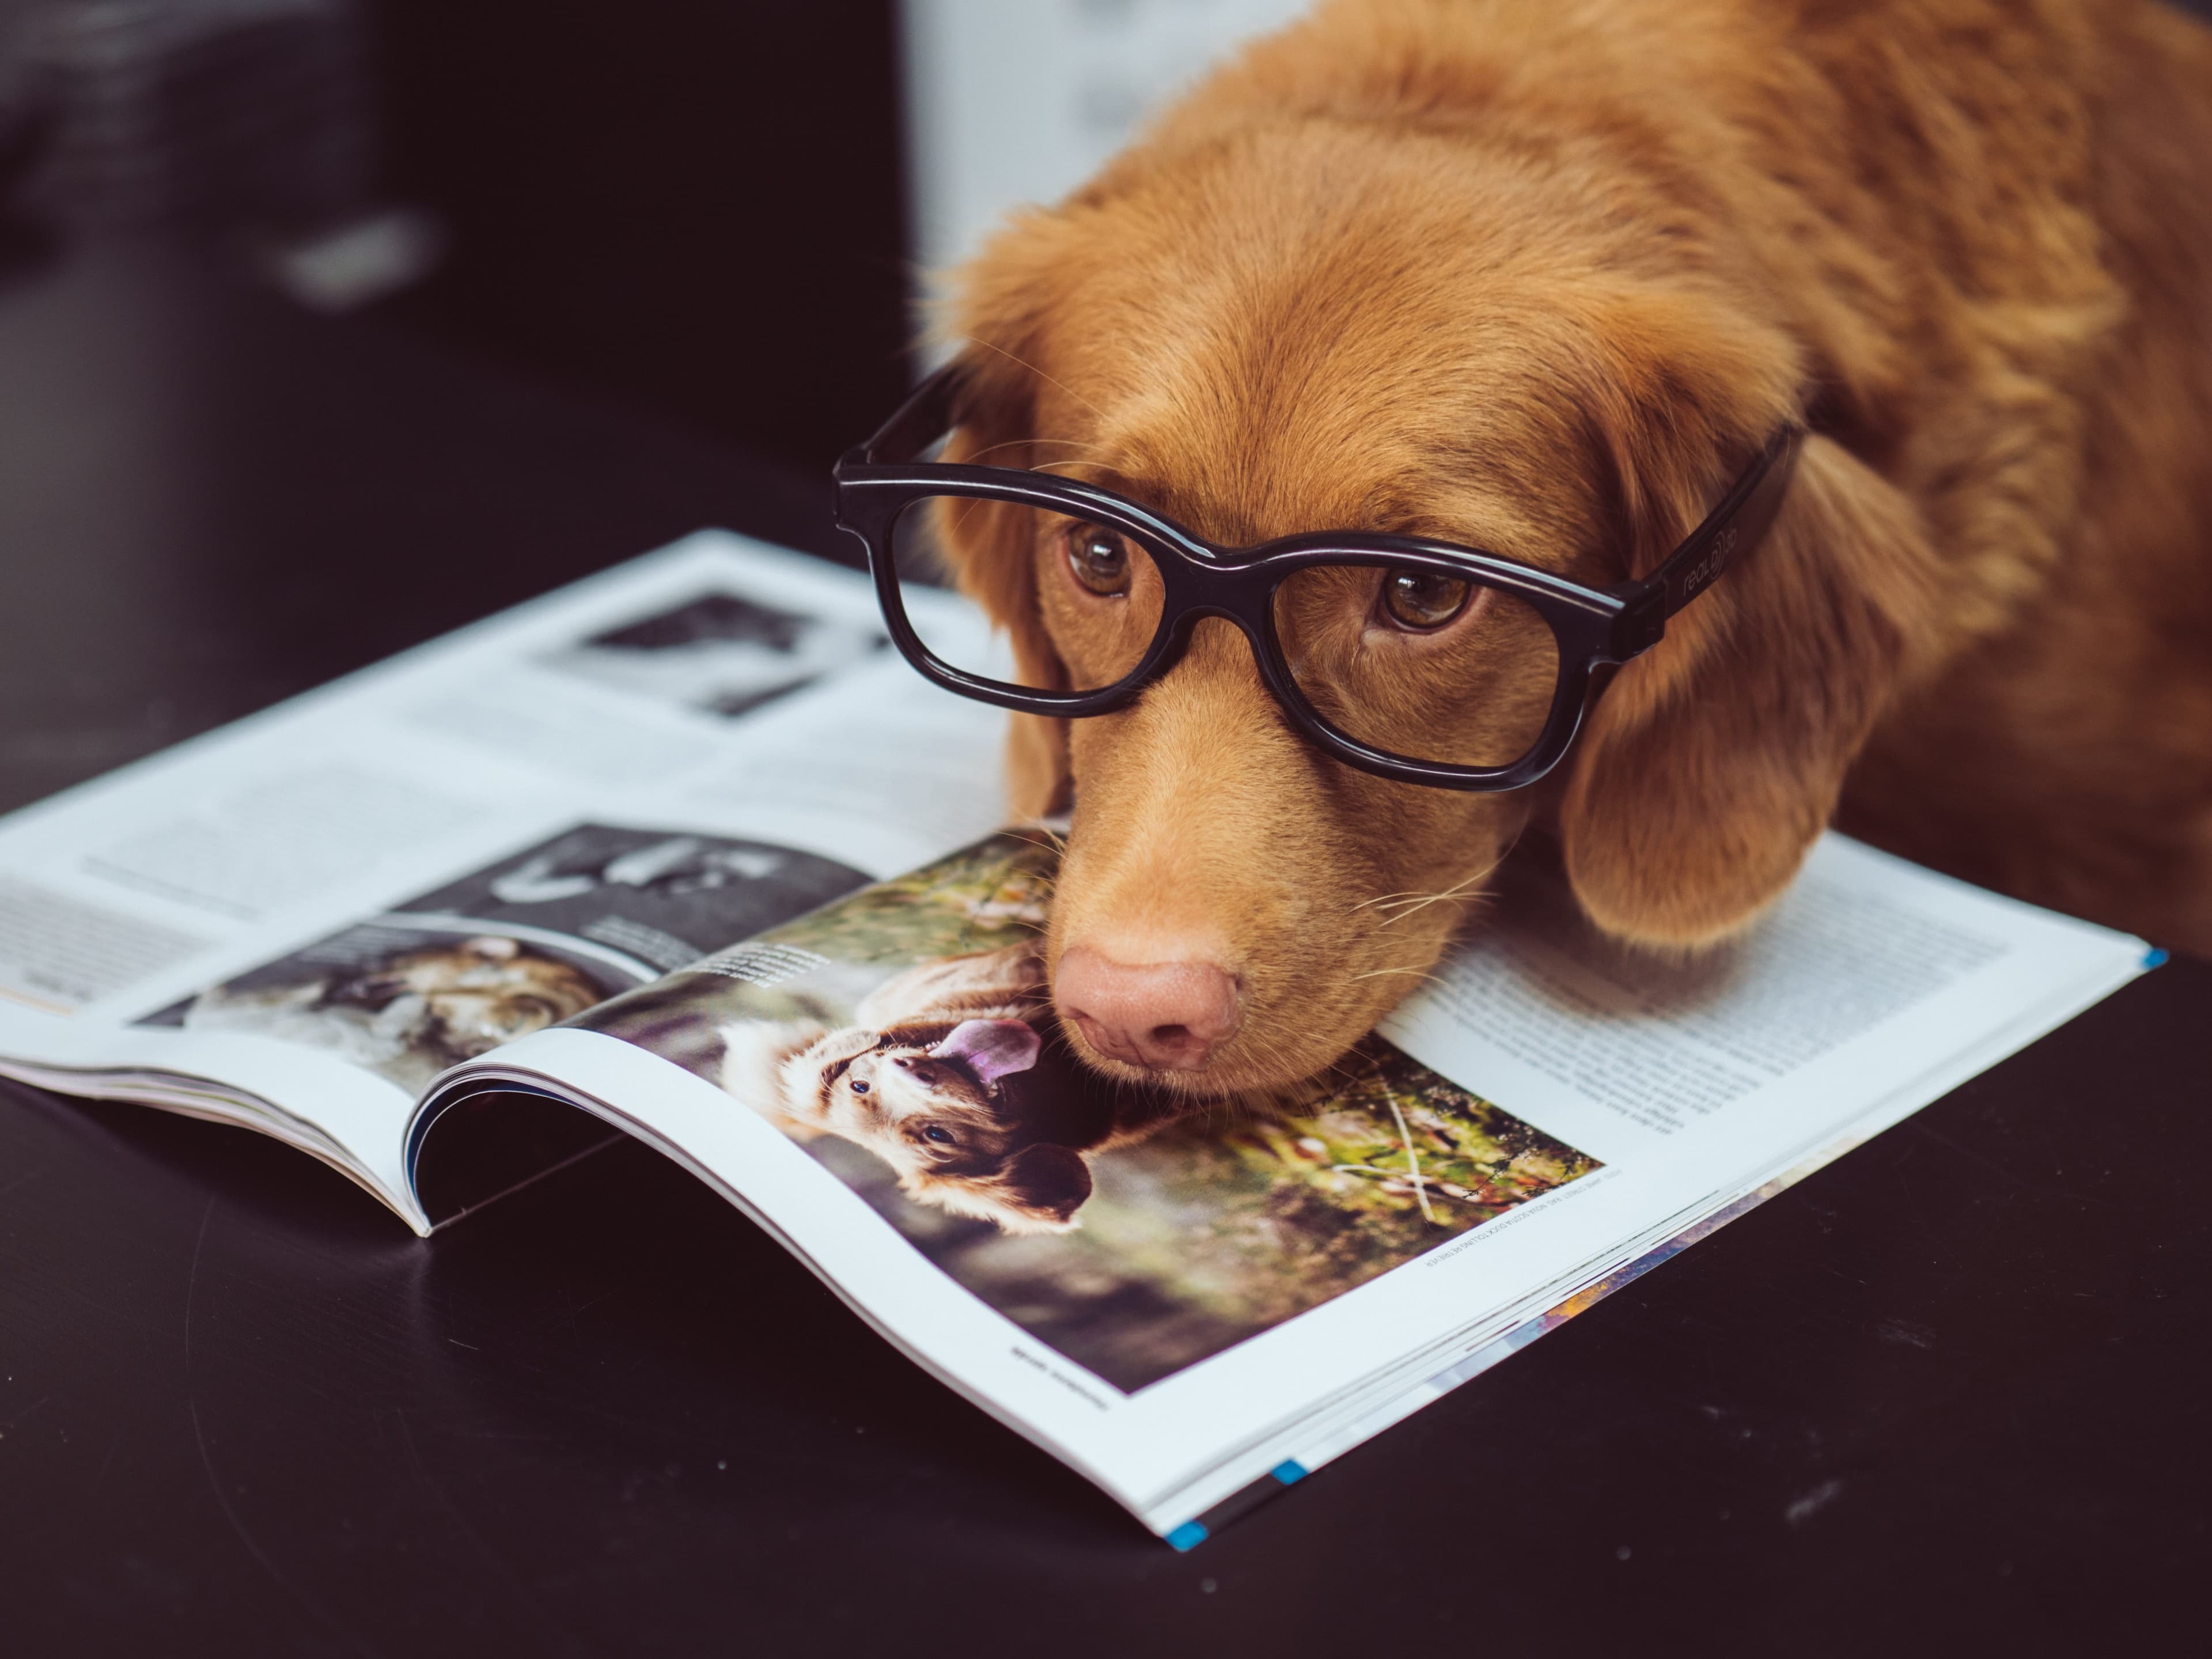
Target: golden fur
[(1540, 276)]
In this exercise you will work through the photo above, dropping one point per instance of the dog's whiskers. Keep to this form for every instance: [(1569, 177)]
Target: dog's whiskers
[(1052, 840), (1024, 443), (1047, 466), (1402, 905), (1417, 973), (1040, 373), (1401, 909)]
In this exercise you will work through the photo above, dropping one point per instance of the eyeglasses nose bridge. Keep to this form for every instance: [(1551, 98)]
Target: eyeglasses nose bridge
[(1183, 627)]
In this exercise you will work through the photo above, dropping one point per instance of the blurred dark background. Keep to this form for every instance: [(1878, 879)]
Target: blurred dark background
[(697, 202), (698, 208), (694, 206), (329, 326)]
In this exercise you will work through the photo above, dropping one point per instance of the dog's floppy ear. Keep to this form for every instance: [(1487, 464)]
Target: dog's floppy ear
[(1038, 1191), (1043, 1187), (1001, 299), (1714, 761), (989, 546)]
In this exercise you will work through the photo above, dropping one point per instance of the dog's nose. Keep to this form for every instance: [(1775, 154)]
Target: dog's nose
[(1163, 1016)]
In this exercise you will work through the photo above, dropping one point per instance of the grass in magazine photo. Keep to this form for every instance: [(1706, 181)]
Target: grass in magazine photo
[(904, 1037)]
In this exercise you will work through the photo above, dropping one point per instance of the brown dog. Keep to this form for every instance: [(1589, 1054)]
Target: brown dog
[(947, 1078), (1540, 276)]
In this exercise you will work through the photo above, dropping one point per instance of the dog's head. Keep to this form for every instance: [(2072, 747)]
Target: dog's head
[(949, 1108), (1501, 340)]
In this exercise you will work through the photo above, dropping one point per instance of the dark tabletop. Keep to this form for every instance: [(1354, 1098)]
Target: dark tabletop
[(1948, 1395)]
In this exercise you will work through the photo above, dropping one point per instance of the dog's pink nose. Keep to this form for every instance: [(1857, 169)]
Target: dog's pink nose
[(1163, 1016)]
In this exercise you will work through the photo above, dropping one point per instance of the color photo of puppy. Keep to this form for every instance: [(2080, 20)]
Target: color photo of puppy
[(904, 1037), (953, 1077)]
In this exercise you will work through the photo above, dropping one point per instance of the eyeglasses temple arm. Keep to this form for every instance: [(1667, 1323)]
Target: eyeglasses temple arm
[(919, 422), (1732, 528)]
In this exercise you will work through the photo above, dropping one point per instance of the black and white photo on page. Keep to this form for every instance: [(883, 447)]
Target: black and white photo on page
[(525, 943), (719, 652)]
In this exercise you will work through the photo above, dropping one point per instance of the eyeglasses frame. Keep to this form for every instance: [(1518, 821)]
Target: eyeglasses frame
[(1597, 629)]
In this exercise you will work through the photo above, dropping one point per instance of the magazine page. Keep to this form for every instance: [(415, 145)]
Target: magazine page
[(1179, 1298), (321, 908)]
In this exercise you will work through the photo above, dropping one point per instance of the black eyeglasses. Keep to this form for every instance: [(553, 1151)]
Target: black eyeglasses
[(1410, 658)]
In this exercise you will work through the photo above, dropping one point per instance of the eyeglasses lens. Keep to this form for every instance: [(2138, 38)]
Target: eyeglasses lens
[(1418, 663), (1095, 590)]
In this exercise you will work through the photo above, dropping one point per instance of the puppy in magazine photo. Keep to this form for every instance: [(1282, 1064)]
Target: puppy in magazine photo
[(1663, 426), (951, 1075)]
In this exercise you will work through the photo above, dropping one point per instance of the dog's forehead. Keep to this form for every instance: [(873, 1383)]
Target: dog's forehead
[(1334, 452), (850, 1044), (1273, 404)]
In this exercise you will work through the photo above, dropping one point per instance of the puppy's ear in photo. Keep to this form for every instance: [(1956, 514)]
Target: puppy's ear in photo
[(1713, 761), (1039, 1190), (1045, 1185), (991, 1049)]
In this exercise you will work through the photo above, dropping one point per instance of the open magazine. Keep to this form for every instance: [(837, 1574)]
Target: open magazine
[(684, 853)]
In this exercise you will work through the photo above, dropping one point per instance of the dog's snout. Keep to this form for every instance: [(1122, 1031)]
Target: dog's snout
[(1163, 1016)]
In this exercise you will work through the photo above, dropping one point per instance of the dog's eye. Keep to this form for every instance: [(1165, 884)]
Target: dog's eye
[(1099, 558), (942, 1137), (1422, 600), (859, 1086)]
